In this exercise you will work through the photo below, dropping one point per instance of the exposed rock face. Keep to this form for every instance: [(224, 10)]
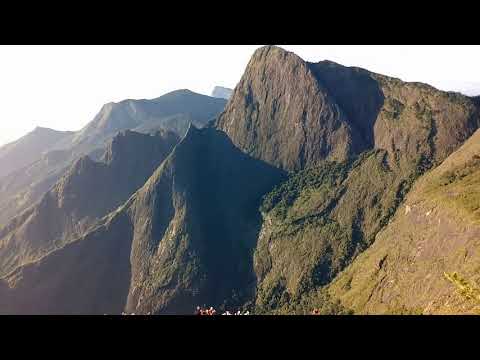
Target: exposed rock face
[(88, 191), (28, 149), (436, 231), (222, 92), (193, 227), (280, 113)]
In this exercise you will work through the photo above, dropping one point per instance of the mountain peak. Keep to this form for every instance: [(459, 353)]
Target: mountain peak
[(281, 114), (180, 92), (42, 130), (264, 50), (271, 52), (39, 128)]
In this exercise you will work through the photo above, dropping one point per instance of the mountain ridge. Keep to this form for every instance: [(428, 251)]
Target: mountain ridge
[(169, 197), (336, 154), (88, 191), (18, 153), (172, 111)]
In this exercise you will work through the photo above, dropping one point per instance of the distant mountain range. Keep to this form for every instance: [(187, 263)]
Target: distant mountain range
[(469, 88), (317, 186), (15, 155), (31, 165)]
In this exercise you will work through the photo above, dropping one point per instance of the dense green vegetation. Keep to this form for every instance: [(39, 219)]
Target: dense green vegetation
[(318, 220), (300, 186), (317, 299)]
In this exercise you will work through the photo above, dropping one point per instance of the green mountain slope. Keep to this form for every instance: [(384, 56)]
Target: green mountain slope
[(435, 233), (88, 191)]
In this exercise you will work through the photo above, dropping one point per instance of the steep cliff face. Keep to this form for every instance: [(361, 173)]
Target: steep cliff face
[(280, 114), (88, 191), (436, 233)]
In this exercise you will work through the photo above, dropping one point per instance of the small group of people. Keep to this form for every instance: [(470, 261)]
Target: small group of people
[(209, 311), (212, 311), (316, 312)]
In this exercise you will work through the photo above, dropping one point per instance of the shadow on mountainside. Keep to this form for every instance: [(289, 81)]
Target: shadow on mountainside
[(358, 94)]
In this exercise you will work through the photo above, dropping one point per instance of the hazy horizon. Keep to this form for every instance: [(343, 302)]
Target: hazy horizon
[(63, 87)]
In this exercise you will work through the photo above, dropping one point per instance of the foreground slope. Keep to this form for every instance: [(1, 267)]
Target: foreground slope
[(436, 233), (190, 232), (88, 191)]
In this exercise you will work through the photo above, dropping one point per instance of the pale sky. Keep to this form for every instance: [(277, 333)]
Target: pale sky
[(63, 87)]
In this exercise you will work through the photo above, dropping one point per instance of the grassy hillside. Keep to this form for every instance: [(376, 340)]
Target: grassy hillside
[(435, 233)]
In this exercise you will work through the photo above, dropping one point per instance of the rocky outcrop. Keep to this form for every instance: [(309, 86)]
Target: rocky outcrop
[(279, 113)]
